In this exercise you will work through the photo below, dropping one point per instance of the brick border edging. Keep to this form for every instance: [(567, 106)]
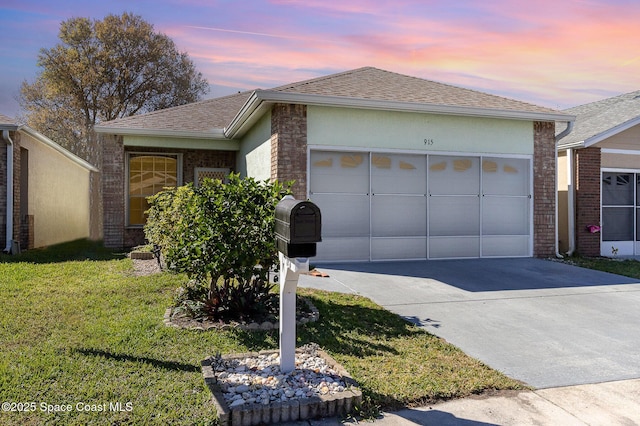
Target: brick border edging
[(141, 255), (341, 403), (254, 326)]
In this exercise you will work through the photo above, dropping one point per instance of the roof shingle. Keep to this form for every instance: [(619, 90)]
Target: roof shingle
[(597, 117), (366, 83), (376, 84), (202, 116), (6, 120)]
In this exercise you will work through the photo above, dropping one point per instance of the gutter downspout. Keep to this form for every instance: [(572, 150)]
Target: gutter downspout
[(561, 135), (9, 239)]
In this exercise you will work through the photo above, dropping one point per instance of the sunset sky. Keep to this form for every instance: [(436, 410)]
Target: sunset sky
[(555, 53)]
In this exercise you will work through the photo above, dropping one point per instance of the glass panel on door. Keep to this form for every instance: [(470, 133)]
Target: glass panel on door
[(618, 206)]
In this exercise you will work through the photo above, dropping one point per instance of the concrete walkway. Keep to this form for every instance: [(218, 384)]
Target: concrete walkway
[(606, 404), (548, 324)]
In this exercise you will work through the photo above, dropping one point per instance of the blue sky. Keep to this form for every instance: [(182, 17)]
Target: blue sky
[(555, 53)]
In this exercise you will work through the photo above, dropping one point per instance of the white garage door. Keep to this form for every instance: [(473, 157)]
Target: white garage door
[(379, 206)]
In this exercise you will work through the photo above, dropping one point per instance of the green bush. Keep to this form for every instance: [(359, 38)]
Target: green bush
[(221, 234)]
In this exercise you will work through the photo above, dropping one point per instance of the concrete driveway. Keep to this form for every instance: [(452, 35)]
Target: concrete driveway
[(545, 323)]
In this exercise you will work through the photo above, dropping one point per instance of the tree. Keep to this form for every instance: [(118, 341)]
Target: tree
[(103, 70)]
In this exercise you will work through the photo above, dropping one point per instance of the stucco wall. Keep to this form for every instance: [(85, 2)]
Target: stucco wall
[(628, 139), (58, 195), (254, 157), (420, 132), (621, 161), (563, 199)]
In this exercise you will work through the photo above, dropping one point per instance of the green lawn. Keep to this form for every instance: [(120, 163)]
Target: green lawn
[(79, 329), (627, 267)]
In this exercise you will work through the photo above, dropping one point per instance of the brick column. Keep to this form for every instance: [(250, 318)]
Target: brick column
[(544, 189), (587, 199), (17, 219), (27, 232), (15, 232), (113, 190), (3, 193), (289, 146)]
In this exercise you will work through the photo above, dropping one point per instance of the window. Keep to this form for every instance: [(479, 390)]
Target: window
[(149, 174), (201, 173)]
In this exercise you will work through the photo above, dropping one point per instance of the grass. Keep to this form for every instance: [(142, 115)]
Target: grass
[(627, 267), (78, 328)]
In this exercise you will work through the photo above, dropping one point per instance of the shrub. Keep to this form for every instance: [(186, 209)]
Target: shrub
[(221, 234)]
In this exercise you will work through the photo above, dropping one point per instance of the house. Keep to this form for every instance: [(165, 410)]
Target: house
[(45, 191), (401, 167), (599, 179)]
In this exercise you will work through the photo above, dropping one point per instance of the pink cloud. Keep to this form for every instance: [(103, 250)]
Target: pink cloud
[(556, 53)]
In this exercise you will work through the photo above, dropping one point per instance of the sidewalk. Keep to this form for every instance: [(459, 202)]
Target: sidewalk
[(612, 403)]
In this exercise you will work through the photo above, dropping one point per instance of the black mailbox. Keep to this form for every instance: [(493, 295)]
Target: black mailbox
[(298, 227)]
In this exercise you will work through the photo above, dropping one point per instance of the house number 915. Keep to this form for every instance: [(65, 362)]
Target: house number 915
[(428, 142)]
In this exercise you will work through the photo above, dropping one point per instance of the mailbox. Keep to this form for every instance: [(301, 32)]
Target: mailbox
[(298, 227)]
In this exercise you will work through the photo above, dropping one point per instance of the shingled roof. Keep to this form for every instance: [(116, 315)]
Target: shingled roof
[(596, 120), (366, 87), (197, 117), (4, 120), (376, 84)]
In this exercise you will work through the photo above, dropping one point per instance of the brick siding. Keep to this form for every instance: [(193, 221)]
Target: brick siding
[(587, 199), (3, 193), (27, 232), (112, 190), (17, 222), (289, 146), (17, 218), (544, 189)]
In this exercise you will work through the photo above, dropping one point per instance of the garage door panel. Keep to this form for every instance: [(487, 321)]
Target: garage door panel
[(453, 247), (343, 249), (343, 215), (454, 175), (398, 174), (342, 172), (505, 216), (398, 248), (454, 216), (505, 246), (398, 215), (505, 176)]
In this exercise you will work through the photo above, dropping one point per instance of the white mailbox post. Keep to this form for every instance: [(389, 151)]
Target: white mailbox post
[(298, 226), (290, 270)]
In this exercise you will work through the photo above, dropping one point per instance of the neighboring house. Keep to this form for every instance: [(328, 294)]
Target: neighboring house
[(599, 179), (401, 167), (44, 190)]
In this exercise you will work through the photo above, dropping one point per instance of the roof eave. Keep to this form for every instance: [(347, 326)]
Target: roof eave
[(570, 145), (611, 132), (9, 127), (252, 108), (46, 141), (256, 103), (210, 134)]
